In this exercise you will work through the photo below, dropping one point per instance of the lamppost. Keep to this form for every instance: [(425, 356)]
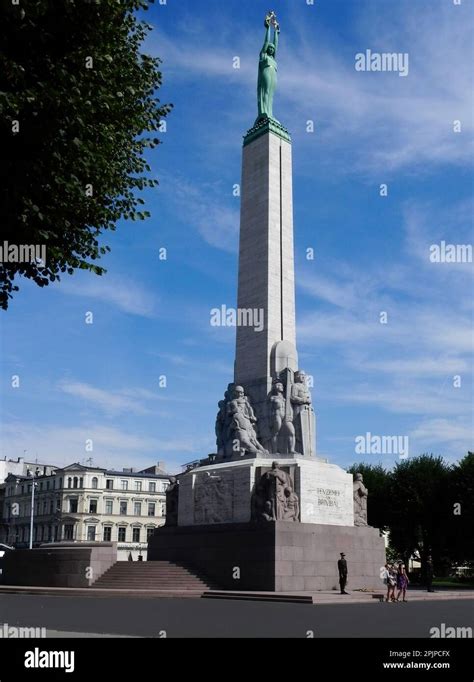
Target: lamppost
[(33, 485)]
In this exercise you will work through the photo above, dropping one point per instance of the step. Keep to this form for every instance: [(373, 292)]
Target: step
[(256, 596)]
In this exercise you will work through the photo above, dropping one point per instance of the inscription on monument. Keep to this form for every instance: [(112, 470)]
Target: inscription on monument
[(328, 497)]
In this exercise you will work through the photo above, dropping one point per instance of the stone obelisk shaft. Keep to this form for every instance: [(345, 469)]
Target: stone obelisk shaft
[(266, 261)]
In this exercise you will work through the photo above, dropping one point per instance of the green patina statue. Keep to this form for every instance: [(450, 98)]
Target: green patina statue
[(267, 69)]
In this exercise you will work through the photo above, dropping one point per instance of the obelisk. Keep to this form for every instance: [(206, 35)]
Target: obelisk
[(266, 260)]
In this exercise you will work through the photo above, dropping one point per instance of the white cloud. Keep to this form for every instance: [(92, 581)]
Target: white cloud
[(113, 448), (111, 402), (125, 295), (386, 122), (203, 207)]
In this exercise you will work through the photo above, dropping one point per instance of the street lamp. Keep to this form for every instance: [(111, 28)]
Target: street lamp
[(33, 485)]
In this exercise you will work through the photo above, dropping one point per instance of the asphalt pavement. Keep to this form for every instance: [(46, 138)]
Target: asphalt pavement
[(176, 617)]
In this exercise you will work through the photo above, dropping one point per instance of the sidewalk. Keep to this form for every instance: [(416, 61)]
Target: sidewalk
[(322, 597)]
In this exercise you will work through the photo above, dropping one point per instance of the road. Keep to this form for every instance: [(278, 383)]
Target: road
[(155, 617)]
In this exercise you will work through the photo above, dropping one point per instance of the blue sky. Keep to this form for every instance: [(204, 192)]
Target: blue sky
[(101, 381)]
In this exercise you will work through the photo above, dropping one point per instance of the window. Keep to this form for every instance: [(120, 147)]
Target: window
[(107, 533), (61, 482), (69, 482), (54, 484), (47, 485), (50, 533), (149, 533), (58, 505), (41, 485), (124, 485), (121, 534), (123, 508), (73, 505), (90, 533), (137, 509), (138, 485), (109, 484), (51, 507), (163, 509), (69, 531), (136, 535), (45, 507), (151, 509), (152, 487), (93, 507), (95, 482), (81, 483), (74, 482), (109, 506)]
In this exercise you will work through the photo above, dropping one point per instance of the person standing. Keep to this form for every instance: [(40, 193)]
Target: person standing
[(342, 568), (388, 576), (402, 582), (429, 572)]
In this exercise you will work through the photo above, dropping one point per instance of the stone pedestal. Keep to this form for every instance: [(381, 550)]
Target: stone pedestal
[(279, 557), (222, 493), (62, 564)]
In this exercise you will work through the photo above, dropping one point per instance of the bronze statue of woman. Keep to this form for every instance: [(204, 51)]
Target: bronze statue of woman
[(267, 69)]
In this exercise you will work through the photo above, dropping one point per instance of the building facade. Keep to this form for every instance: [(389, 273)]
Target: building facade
[(85, 504)]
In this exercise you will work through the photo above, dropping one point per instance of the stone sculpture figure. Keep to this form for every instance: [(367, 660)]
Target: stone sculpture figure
[(267, 69), (292, 506), (280, 421), (360, 501), (273, 498), (223, 420), (242, 426), (303, 415), (172, 501)]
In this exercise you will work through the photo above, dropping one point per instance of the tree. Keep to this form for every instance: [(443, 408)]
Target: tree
[(461, 511), (376, 480), (77, 107), (419, 493)]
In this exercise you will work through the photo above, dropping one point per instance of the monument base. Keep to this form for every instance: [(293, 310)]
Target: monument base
[(275, 557)]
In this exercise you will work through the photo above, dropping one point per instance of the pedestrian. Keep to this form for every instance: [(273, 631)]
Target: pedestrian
[(429, 573), (342, 568), (387, 577), (402, 582)]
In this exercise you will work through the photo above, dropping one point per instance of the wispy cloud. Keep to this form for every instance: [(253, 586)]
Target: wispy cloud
[(111, 402), (127, 296), (111, 447), (419, 363), (388, 122), (202, 205)]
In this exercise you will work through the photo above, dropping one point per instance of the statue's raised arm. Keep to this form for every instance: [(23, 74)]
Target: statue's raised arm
[(267, 68)]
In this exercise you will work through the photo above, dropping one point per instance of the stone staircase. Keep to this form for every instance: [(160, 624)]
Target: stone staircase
[(152, 575)]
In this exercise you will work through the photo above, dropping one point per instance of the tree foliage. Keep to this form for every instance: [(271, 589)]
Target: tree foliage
[(78, 109), (427, 505), (461, 535), (376, 480), (420, 509)]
